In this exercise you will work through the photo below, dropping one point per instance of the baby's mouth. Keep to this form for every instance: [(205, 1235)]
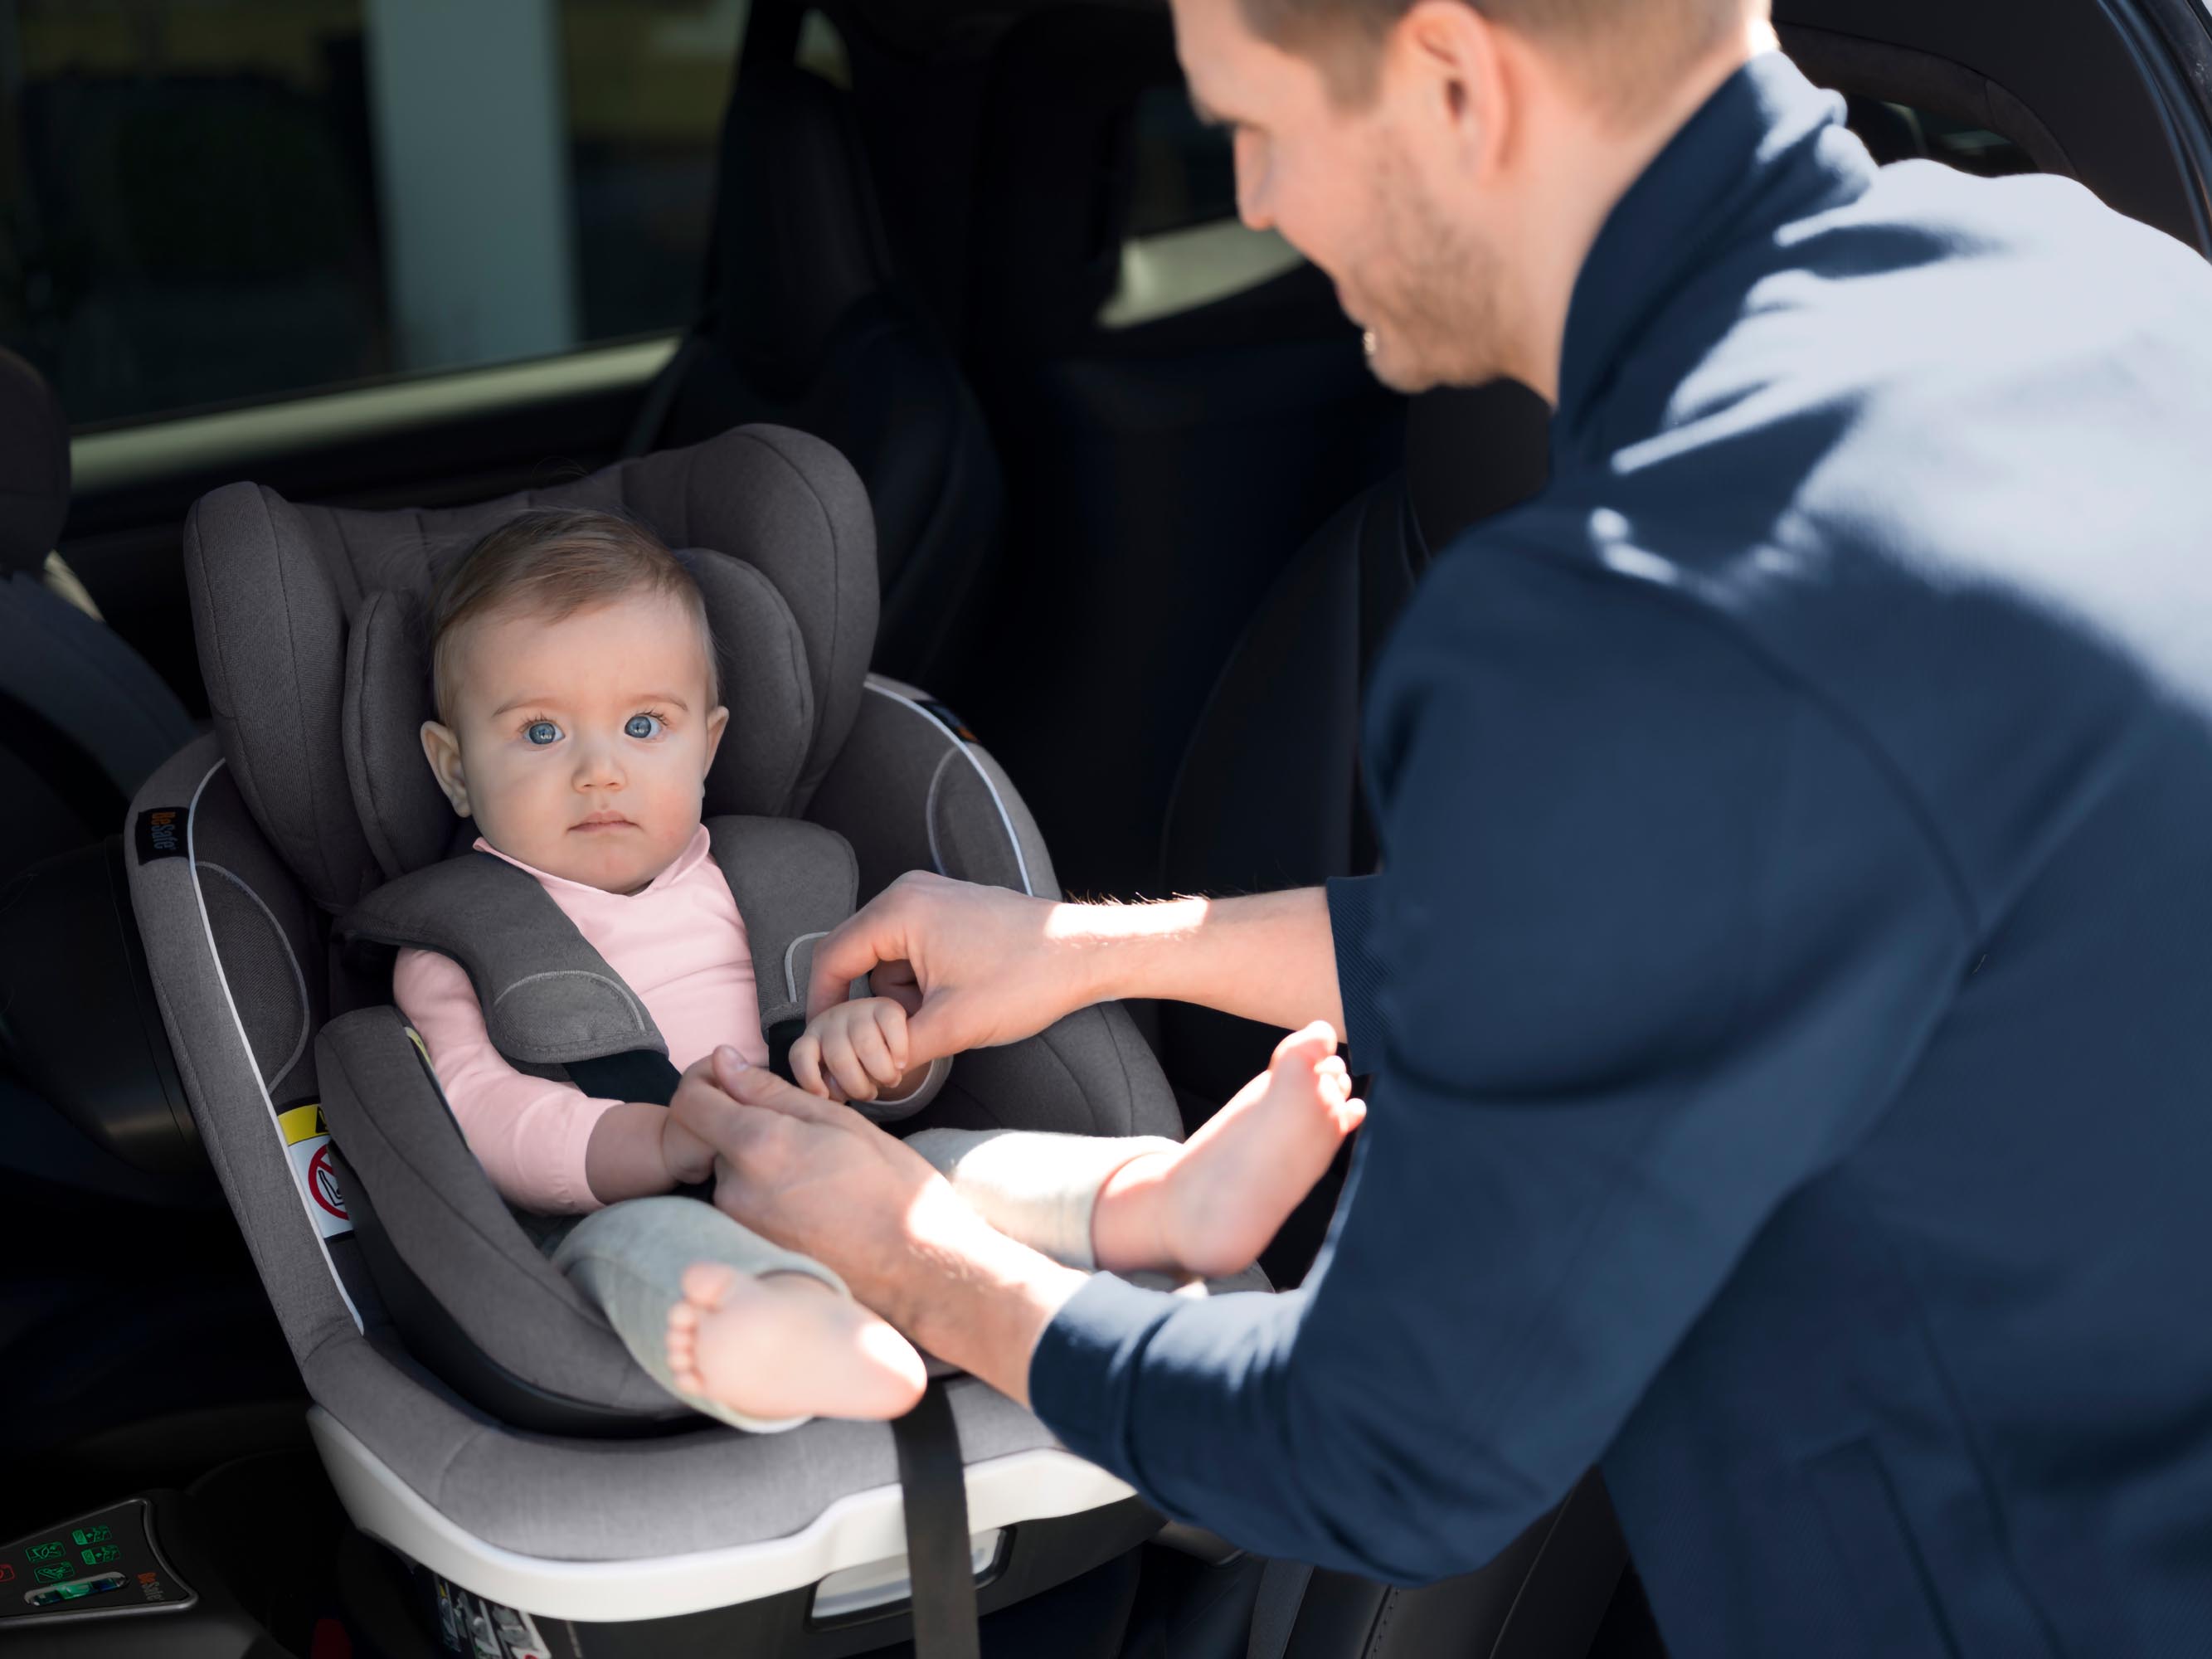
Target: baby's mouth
[(599, 821)]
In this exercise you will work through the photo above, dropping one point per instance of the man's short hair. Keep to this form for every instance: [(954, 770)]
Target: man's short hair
[(551, 561), (1628, 50)]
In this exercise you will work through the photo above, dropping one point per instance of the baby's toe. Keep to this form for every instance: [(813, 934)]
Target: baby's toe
[(1306, 1048), (706, 1284)]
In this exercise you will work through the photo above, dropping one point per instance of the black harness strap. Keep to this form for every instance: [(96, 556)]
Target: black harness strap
[(939, 1566), (645, 1074), (938, 1563), (648, 1075)]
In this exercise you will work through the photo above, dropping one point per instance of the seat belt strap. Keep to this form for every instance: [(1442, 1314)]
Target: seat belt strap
[(940, 1566), (645, 1074)]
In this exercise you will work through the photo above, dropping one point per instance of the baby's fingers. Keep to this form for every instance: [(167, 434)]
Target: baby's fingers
[(890, 1022), (872, 1054), (806, 1065), (849, 1075)]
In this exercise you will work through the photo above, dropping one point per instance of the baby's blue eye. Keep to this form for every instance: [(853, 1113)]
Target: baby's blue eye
[(542, 733), (642, 727)]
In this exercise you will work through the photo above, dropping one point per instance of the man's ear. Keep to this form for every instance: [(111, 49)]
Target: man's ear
[(1457, 58), (718, 721), (443, 751)]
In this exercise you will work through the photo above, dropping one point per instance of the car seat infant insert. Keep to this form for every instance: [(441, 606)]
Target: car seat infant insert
[(475, 1412)]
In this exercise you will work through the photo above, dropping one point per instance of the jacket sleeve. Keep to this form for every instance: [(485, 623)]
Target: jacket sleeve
[(1657, 939), (1353, 903), (530, 1133)]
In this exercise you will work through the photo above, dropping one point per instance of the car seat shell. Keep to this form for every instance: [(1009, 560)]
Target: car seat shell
[(286, 815)]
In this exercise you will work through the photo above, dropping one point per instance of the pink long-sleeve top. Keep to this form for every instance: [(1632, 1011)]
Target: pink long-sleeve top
[(680, 943)]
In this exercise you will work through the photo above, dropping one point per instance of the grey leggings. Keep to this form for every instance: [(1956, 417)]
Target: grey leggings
[(629, 1258)]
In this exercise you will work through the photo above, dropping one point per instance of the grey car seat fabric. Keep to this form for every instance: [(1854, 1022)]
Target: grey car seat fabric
[(307, 797), (807, 325), (83, 719)]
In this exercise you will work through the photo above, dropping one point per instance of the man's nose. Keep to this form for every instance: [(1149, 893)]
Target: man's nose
[(1252, 181)]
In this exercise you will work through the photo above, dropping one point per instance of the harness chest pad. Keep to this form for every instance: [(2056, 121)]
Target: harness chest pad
[(549, 997)]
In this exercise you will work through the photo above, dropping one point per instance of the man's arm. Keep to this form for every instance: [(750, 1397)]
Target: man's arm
[(994, 966), (814, 1175)]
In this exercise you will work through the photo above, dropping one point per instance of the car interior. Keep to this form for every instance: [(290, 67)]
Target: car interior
[(1023, 475)]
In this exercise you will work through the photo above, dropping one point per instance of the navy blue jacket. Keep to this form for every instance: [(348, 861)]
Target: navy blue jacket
[(1790, 981)]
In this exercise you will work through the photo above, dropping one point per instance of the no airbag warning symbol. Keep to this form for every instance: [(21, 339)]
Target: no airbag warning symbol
[(307, 1141)]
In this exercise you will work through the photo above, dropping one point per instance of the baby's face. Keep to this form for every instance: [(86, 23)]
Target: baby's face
[(581, 746)]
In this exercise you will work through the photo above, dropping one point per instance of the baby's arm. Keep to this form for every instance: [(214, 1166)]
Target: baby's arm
[(537, 1138), (637, 1149)]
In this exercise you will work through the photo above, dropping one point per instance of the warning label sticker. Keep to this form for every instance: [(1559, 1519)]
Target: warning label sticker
[(307, 1139)]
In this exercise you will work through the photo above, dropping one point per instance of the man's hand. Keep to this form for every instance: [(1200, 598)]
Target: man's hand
[(812, 1175), (819, 1178), (974, 967), (989, 964)]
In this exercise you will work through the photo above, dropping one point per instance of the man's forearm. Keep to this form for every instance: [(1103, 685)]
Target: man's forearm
[(967, 1293), (1270, 958)]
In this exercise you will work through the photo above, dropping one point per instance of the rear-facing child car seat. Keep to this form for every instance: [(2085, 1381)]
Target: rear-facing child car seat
[(473, 1411), (83, 719)]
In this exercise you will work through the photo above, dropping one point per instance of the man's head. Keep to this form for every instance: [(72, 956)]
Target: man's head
[(1449, 163)]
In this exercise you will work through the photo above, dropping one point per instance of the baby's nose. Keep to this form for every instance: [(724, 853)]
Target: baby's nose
[(598, 767)]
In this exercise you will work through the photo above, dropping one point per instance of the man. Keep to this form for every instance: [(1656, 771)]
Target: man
[(1787, 989)]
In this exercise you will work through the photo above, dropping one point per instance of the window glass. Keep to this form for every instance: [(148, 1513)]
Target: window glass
[(1185, 174), (205, 201)]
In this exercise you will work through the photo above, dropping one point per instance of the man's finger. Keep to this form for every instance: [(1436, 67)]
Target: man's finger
[(931, 1032), (874, 935), (755, 1085)]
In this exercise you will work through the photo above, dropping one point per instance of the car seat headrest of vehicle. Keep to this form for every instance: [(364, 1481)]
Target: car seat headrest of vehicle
[(34, 465), (797, 244), (314, 643)]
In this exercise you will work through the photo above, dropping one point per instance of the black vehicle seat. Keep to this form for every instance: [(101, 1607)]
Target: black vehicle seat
[(1268, 796), (1159, 471), (808, 325), (83, 721)]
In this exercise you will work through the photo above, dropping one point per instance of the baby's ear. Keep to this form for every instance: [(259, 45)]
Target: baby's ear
[(718, 721), (442, 748)]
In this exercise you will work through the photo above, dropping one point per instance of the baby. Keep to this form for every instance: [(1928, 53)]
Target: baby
[(577, 713)]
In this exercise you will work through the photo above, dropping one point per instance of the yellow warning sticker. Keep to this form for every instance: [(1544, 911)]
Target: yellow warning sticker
[(302, 1123)]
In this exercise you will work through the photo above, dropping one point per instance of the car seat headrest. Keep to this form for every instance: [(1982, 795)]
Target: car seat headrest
[(797, 243), (34, 465), (312, 640), (1059, 160)]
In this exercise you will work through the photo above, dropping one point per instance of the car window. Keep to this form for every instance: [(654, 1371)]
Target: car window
[(1184, 247), (210, 201)]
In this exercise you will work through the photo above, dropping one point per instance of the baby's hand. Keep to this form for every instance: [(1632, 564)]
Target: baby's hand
[(688, 1158), (855, 1051)]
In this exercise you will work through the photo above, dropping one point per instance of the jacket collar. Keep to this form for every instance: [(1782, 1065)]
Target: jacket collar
[(1757, 153)]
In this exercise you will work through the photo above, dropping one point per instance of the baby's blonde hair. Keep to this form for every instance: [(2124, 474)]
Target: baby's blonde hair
[(551, 561)]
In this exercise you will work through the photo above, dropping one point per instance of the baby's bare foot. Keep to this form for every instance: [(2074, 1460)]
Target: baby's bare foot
[(1212, 1206), (787, 1345)]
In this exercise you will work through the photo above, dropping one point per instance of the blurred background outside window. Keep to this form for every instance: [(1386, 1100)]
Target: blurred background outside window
[(213, 201)]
